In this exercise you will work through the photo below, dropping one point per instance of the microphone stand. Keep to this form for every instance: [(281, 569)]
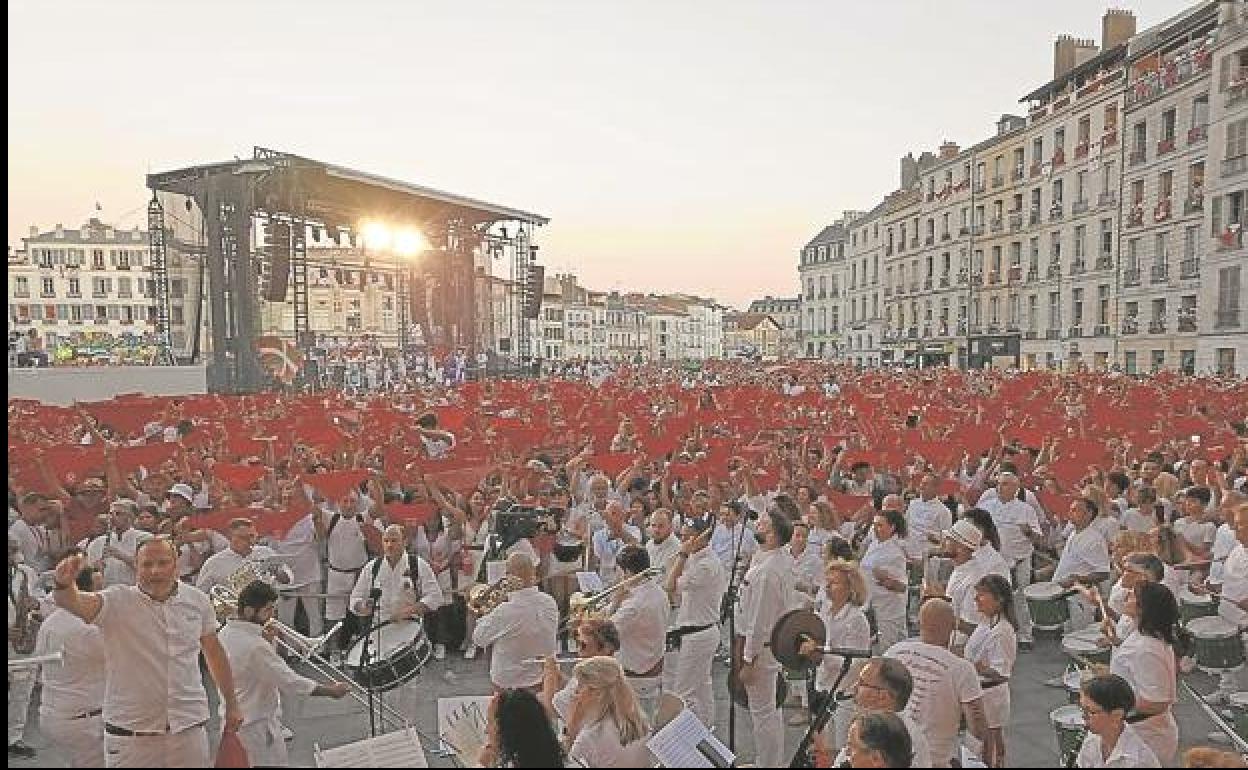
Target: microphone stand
[(732, 598), (366, 660), (803, 756)]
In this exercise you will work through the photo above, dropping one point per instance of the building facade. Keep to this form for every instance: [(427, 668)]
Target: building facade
[(821, 265), (788, 313), (752, 334)]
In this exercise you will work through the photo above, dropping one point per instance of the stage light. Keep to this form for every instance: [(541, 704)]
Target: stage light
[(376, 235), (409, 242)]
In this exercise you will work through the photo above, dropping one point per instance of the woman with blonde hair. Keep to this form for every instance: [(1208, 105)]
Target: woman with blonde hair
[(605, 725), (845, 626)]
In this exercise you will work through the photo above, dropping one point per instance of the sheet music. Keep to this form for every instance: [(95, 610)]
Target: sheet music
[(397, 749), (686, 742), (494, 571), (462, 725), (589, 582)]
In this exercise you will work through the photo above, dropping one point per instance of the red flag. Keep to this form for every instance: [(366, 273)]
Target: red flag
[(238, 477), (413, 514), (336, 484)]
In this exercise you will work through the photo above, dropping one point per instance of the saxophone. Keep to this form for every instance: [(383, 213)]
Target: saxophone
[(26, 627)]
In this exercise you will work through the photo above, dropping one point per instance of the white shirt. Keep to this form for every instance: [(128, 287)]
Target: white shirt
[(1010, 517), (1223, 543), (259, 673), (218, 568), (848, 629), (598, 745), (346, 543), (400, 584), (33, 542), (923, 518), (889, 557), (116, 571), (961, 590), (943, 683), (996, 646), (724, 544), (75, 686), (1135, 521), (641, 620), (520, 628), (767, 592), (663, 554), (920, 755), (994, 563), (191, 556), (1198, 533), (701, 587), (153, 650), (1149, 666), (1086, 552), (1129, 751), (301, 543), (1234, 587), (606, 548)]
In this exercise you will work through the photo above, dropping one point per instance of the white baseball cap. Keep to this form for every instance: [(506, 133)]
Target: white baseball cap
[(184, 491), (965, 532)]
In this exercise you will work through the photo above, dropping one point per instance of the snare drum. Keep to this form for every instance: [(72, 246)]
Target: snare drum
[(1239, 708), (1082, 646), (396, 653), (1218, 644), (1071, 730), (1049, 612), (1193, 605)]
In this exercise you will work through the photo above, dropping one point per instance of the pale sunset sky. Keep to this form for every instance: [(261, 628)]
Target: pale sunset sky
[(676, 145)]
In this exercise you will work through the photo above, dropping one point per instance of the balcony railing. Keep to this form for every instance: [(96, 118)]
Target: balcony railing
[(1137, 156), (1226, 317), (944, 281), (929, 240), (1165, 145), (1232, 238), (962, 276), (1131, 276), (914, 287), (1075, 332), (1056, 212), (1036, 168), (1081, 149), (1187, 322), (978, 229), (1059, 158), (994, 278), (1233, 166), (1030, 334), (1157, 326), (1194, 202), (1016, 221), (1033, 274), (1100, 330), (1197, 134), (1136, 216), (997, 181), (964, 230), (1054, 271), (977, 279), (945, 236), (914, 242), (1161, 212), (927, 283), (1130, 325), (1078, 267), (888, 291), (1160, 273), (1105, 262), (1189, 268), (1109, 138), (1236, 89), (1033, 217), (888, 251), (1172, 73), (998, 224), (21, 293), (1014, 274), (1017, 174), (1107, 198), (1078, 207)]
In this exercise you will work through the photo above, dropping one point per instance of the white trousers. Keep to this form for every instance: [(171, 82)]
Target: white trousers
[(21, 684), (1022, 578), (80, 740), (311, 607), (339, 585), (188, 748), (264, 743), (692, 680), (768, 723)]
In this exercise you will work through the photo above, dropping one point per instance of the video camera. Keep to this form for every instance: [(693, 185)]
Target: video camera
[(513, 521)]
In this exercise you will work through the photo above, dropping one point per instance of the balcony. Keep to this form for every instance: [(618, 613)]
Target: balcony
[(1033, 217), (998, 224), (1105, 262), (1075, 332), (1160, 273), (944, 281), (101, 321), (1100, 330), (74, 294), (888, 291), (1078, 267), (1165, 145), (913, 332), (1030, 334), (1107, 198), (1078, 207), (99, 295), (945, 236), (997, 181), (1033, 274), (1161, 212), (1054, 271), (1081, 149), (888, 250), (1059, 158), (1016, 221), (979, 187), (962, 276), (21, 293), (1109, 138), (1194, 202), (1189, 268), (1135, 217), (1157, 326), (964, 230), (1036, 168), (1130, 325), (927, 284), (1014, 274), (914, 288), (977, 279), (1056, 212), (1187, 321), (1052, 334), (929, 240), (978, 229), (1137, 156), (1233, 166), (1131, 276), (1232, 238), (1197, 134), (914, 242), (1172, 73), (1017, 174), (994, 278), (1226, 318)]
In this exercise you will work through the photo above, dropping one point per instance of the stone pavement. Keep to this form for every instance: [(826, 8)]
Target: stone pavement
[(328, 723)]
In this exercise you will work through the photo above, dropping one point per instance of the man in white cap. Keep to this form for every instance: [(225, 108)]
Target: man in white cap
[(960, 543), (179, 500)]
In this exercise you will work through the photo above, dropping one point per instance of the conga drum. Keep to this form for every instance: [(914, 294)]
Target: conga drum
[(1049, 611), (1194, 605), (1083, 646), (1219, 646), (1071, 730)]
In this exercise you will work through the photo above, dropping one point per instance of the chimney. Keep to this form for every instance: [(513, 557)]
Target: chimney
[(34, 231), (1063, 55), (948, 150), (60, 231), (909, 171), (1117, 27), (1085, 51)]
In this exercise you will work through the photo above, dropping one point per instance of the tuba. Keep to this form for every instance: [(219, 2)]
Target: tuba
[(484, 598), (26, 628)]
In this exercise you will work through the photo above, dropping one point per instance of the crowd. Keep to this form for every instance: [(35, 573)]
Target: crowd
[(970, 508)]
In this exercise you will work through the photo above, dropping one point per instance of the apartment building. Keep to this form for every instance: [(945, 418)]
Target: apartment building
[(788, 313), (821, 266)]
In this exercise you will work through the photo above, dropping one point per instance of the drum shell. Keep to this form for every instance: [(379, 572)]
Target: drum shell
[(398, 662), (1239, 709), (1069, 725), (1048, 613), (1192, 606), (1218, 645), (1091, 655)]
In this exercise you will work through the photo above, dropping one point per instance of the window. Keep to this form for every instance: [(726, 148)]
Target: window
[(46, 288), (1129, 362), (74, 288), (1055, 248), (1076, 307), (1016, 254), (21, 286), (1081, 233), (1190, 236), (1133, 254), (175, 316), (1161, 249), (1236, 143), (1228, 297), (1033, 254), (1033, 303), (1085, 129), (97, 259), (123, 286), (1226, 361), (1111, 117), (1165, 186), (1081, 186), (1140, 139), (1102, 310), (1167, 125), (1200, 111), (1107, 238), (1137, 192), (1108, 184), (75, 313), (1037, 150), (1159, 360), (1059, 140), (99, 287), (1055, 310), (1057, 193)]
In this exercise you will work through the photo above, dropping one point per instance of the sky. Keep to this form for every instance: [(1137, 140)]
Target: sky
[(675, 145)]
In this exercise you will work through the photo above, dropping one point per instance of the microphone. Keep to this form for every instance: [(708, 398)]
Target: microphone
[(560, 659), (846, 652)]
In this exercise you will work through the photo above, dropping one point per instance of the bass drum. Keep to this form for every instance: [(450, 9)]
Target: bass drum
[(737, 690), (404, 651)]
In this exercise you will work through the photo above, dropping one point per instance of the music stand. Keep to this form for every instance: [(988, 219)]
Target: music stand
[(802, 756)]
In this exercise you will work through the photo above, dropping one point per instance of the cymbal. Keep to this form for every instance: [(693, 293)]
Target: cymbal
[(791, 630)]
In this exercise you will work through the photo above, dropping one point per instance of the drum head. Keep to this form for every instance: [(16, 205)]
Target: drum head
[(1067, 716), (793, 628), (1210, 627), (1041, 591)]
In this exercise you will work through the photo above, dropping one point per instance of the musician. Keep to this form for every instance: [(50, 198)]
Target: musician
[(926, 517), (24, 592), (409, 588), (29, 530), (993, 649), (519, 629), (1110, 741), (346, 538), (946, 687), (1147, 660), (73, 689), (884, 686), (960, 543), (879, 739), (699, 580), (1084, 560), (1233, 606), (195, 546), (1019, 528), (519, 734), (611, 539), (807, 558), (845, 625), (260, 674), (884, 567), (596, 636), (303, 543), (663, 546), (767, 592), (113, 552), (155, 704), (218, 568), (639, 611), (606, 727)]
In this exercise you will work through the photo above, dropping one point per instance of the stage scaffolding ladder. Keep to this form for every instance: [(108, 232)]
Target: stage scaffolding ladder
[(157, 241)]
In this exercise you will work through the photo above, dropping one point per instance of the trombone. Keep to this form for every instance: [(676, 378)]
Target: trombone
[(307, 650), (580, 605)]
